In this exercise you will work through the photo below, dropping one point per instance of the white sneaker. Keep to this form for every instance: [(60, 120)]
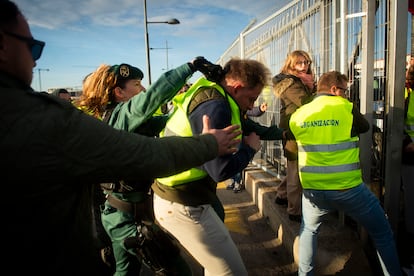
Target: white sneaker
[(231, 185), (237, 187)]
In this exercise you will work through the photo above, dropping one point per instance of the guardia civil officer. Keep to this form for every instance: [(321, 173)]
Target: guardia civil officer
[(114, 94)]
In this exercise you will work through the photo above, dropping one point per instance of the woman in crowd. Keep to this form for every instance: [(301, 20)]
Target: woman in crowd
[(295, 86)]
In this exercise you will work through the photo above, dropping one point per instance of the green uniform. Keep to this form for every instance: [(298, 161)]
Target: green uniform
[(132, 114), (136, 115)]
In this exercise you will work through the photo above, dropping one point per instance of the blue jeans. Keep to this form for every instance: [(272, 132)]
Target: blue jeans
[(237, 177), (361, 205)]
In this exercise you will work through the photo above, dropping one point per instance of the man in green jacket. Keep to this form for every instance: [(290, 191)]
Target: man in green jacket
[(52, 153)]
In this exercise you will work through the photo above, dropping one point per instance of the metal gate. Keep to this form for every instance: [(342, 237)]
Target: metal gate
[(358, 38)]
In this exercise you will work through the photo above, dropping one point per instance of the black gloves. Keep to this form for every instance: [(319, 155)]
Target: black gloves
[(212, 72)]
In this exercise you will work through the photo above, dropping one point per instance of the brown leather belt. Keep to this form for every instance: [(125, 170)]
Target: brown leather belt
[(120, 204), (142, 211)]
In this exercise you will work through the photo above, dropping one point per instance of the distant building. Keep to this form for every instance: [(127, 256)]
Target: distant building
[(75, 92)]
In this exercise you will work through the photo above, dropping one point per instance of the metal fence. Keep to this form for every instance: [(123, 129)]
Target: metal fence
[(358, 38)]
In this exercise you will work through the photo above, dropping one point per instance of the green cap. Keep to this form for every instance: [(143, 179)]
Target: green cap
[(126, 72)]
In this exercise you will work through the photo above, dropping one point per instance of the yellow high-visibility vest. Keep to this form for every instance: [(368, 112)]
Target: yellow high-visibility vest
[(409, 120), (328, 156), (179, 125)]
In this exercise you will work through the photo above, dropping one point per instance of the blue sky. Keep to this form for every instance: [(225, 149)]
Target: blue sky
[(80, 35)]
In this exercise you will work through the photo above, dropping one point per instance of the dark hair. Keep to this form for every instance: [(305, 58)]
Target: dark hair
[(8, 14), (60, 91), (63, 91)]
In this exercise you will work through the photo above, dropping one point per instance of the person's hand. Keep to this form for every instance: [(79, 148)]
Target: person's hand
[(226, 138), (307, 79), (288, 135), (263, 107), (212, 72), (253, 141)]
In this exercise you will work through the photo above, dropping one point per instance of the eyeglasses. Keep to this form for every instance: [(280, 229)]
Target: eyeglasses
[(35, 46), (304, 62), (346, 90)]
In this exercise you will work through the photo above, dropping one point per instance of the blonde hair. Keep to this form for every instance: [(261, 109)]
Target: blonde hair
[(97, 91), (290, 62)]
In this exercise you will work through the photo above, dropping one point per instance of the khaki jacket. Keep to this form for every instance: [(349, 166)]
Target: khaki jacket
[(293, 94)]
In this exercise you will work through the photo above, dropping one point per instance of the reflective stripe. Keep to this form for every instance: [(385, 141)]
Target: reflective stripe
[(330, 169), (328, 148), (169, 132)]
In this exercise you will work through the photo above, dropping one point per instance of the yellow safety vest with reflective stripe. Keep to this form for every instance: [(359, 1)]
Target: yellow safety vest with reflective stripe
[(328, 157), (179, 125), (409, 120)]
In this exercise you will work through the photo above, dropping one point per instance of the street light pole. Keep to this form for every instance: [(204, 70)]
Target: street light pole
[(172, 21), (40, 78), (165, 48), (166, 51), (147, 43)]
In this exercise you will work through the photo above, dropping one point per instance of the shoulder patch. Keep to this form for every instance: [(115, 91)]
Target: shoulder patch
[(203, 95)]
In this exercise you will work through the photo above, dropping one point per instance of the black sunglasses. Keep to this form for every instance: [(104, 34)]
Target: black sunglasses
[(35, 46)]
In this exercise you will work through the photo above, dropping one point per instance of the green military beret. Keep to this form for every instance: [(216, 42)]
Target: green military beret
[(126, 72)]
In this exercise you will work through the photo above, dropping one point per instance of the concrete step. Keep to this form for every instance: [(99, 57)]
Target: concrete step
[(340, 249)]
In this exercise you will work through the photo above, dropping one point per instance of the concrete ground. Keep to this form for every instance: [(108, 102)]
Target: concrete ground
[(268, 240), (261, 250)]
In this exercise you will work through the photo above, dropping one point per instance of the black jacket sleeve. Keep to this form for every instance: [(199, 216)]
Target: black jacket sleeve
[(359, 123), (265, 133)]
